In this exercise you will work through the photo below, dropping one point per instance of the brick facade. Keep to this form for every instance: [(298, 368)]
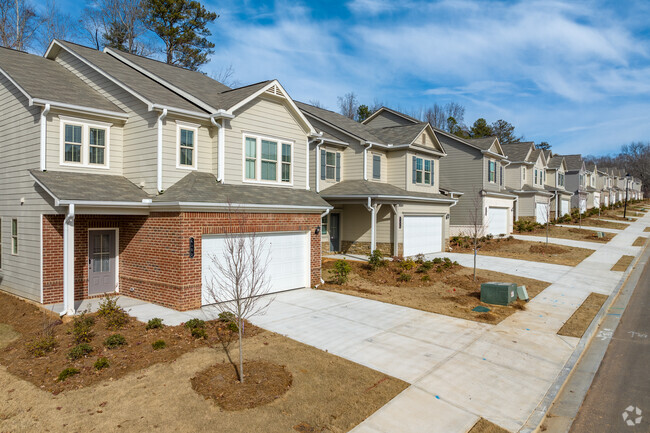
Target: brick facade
[(154, 262)]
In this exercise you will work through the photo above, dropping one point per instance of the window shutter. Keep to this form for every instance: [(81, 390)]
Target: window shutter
[(433, 171), (413, 168), (338, 167), (323, 155)]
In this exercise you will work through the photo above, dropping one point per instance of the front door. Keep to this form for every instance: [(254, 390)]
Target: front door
[(101, 261), (335, 232)]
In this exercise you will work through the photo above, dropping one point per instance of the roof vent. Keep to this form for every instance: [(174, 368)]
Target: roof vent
[(275, 90)]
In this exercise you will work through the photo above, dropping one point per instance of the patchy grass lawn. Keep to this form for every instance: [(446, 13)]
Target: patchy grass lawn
[(526, 250), (451, 291), (595, 222), (326, 393), (622, 264), (640, 241), (485, 426), (574, 233), (583, 316)]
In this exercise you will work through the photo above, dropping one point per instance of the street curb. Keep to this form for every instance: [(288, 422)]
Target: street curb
[(537, 417)]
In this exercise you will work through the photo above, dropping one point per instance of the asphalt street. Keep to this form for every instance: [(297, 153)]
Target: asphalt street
[(619, 397)]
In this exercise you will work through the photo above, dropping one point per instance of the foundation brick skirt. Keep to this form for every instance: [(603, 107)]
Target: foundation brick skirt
[(154, 261)]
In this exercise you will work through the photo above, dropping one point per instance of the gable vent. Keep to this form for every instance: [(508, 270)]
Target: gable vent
[(275, 90)]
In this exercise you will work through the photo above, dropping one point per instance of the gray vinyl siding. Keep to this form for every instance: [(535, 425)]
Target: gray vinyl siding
[(19, 152), (492, 186), (268, 118), (462, 171), (386, 119), (410, 186), (572, 181)]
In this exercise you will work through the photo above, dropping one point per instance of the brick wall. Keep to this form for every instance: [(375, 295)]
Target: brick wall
[(154, 262)]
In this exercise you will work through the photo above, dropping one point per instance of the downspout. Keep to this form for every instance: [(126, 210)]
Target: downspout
[(323, 215), (320, 141), (365, 161), (161, 118), (372, 224), (68, 262), (44, 113), (221, 135)]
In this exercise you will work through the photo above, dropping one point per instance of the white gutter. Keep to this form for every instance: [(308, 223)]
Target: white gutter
[(242, 205), (68, 262), (73, 107), (161, 118), (392, 197), (365, 160), (320, 141), (372, 224), (44, 112), (221, 144)]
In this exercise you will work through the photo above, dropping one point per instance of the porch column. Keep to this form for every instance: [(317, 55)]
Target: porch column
[(68, 262), (373, 223), (395, 230)]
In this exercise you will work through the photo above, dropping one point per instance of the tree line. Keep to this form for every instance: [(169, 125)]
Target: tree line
[(176, 30), (633, 159)]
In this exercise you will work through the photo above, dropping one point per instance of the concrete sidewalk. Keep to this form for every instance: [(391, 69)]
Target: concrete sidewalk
[(596, 229), (559, 241)]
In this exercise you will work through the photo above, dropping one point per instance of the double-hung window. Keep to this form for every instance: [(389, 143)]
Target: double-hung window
[(14, 236), (376, 167), (84, 143), (501, 175), (492, 171), (324, 222), (523, 173), (330, 165), (423, 171), (535, 180), (267, 160), (187, 142)]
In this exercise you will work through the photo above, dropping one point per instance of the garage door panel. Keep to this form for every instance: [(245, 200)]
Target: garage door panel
[(497, 220), (287, 256), (422, 234), (541, 213), (564, 204)]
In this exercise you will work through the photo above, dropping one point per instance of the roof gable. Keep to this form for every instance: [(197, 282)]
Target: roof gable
[(392, 116), (518, 152)]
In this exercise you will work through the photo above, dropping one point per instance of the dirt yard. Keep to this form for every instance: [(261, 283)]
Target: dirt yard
[(595, 222), (647, 229), (622, 264), (485, 426), (327, 393), (583, 316), (576, 233), (640, 241), (532, 251), (452, 292)]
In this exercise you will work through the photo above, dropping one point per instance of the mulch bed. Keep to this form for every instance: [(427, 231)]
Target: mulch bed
[(647, 229), (31, 322), (640, 241), (575, 233), (485, 426), (263, 383), (583, 316), (622, 264), (595, 222)]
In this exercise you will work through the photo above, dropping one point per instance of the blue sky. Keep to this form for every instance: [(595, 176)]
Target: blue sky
[(575, 74)]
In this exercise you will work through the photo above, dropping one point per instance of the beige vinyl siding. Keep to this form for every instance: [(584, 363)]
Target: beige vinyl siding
[(386, 119), (513, 176), (410, 186), (114, 152), (396, 168), (356, 223), (140, 134), (19, 152), (326, 183), (551, 177), (526, 205), (271, 118), (384, 166)]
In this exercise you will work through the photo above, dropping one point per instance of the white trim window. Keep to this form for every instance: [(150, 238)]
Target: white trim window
[(267, 160), (14, 236), (422, 171), (187, 136), (492, 171), (523, 173), (376, 166), (535, 180), (84, 143)]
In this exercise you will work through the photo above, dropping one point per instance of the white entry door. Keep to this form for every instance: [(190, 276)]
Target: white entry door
[(422, 234), (541, 213), (564, 204), (497, 220), (288, 256)]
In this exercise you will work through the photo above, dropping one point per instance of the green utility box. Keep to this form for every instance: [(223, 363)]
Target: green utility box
[(498, 293)]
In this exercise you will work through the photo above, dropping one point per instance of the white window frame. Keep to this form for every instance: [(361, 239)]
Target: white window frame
[(378, 155), (258, 159), (523, 173), (14, 238), (490, 162), (333, 178), (536, 177), (85, 141), (195, 152)]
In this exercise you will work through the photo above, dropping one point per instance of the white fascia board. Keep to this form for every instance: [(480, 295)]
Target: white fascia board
[(201, 205), (79, 108), (188, 113), (493, 154), (94, 203), (23, 91), (39, 183), (499, 194), (390, 197), (335, 142), (161, 81)]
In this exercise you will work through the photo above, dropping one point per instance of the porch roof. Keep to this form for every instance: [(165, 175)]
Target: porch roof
[(527, 189), (361, 189), (88, 187), (555, 189)]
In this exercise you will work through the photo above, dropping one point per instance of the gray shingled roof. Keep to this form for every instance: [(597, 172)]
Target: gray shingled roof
[(573, 162), (528, 188), (555, 189), (45, 79), (534, 154), (517, 152), (404, 134), (364, 188), (348, 125), (555, 162), (96, 187), (138, 82), (590, 166), (199, 187), (483, 143)]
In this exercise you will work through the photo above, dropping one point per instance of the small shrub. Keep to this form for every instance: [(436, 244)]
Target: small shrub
[(439, 269), (407, 264), (419, 258), (427, 265), (376, 260), (115, 315), (437, 261), (82, 328), (404, 277), (195, 323), (42, 346), (101, 363), (226, 316), (199, 333), (115, 340), (159, 344), (489, 237), (155, 323), (447, 260), (425, 278), (79, 351), (341, 271), (66, 373), (397, 259)]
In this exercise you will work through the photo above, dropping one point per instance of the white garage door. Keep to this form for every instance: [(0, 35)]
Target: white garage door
[(541, 213), (497, 220), (422, 234), (288, 254), (606, 200), (565, 207), (596, 200), (583, 205)]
